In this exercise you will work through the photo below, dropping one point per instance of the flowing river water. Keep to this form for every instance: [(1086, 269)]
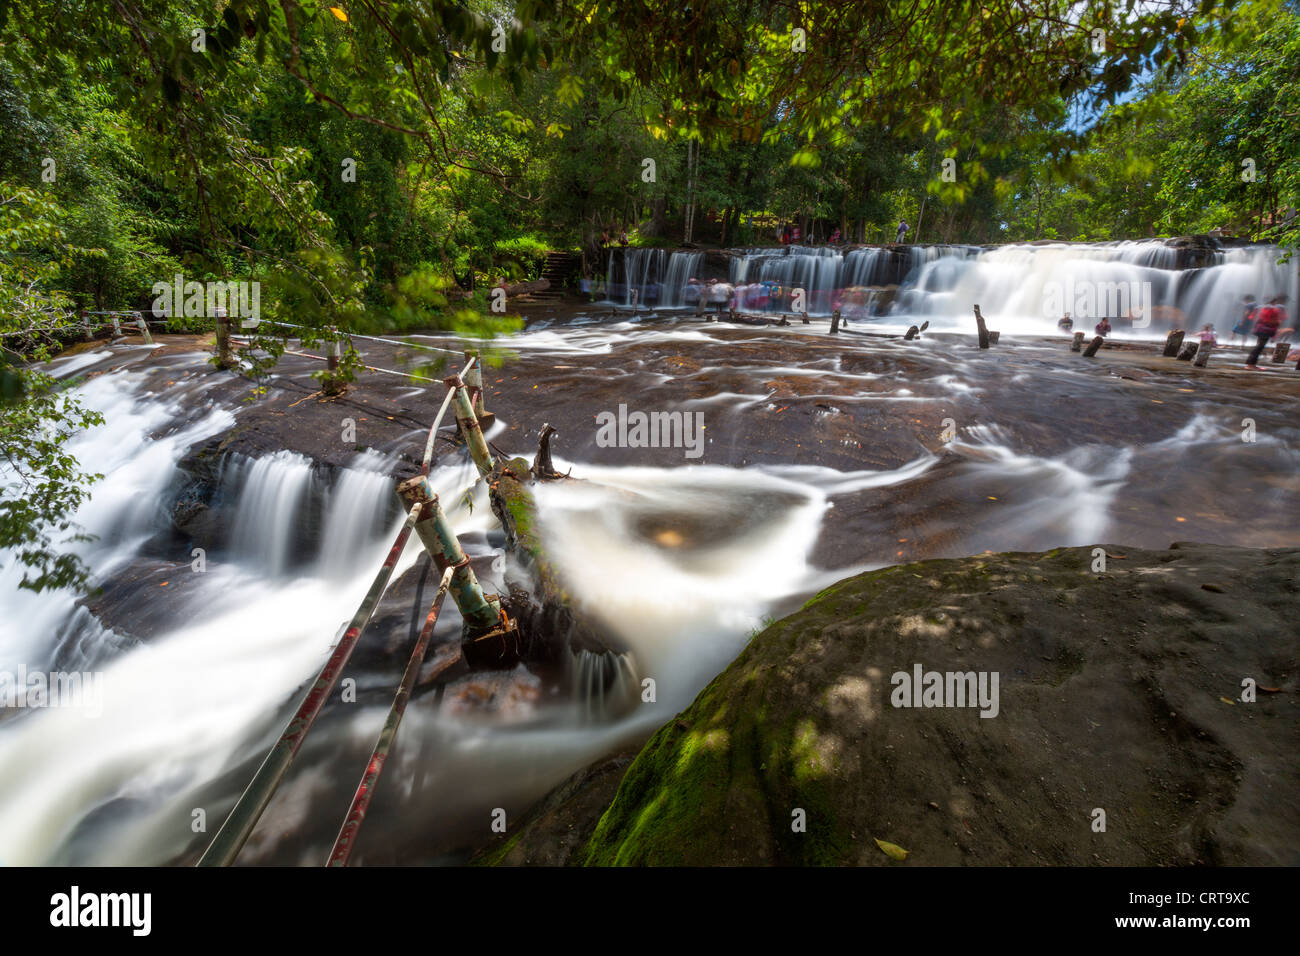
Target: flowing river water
[(820, 457)]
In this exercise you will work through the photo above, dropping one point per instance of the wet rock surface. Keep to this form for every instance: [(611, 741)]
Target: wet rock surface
[(1119, 691)]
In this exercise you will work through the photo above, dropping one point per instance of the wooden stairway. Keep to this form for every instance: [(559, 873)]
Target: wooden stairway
[(559, 268)]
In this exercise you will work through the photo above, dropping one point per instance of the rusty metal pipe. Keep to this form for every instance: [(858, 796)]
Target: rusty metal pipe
[(346, 841), (230, 839)]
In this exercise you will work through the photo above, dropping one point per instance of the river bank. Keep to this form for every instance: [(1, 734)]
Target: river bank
[(1145, 716)]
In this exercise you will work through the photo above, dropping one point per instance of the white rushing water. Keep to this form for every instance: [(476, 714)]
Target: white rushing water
[(1024, 288), (688, 560)]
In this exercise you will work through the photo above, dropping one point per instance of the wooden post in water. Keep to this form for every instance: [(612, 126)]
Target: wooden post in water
[(1188, 352), (1076, 345), (983, 329), (143, 326), (804, 315), (1173, 342), (835, 322), (1280, 352), (117, 327), (994, 335), (331, 385), (1093, 346), (1203, 354), (225, 360), (912, 332), (469, 426)]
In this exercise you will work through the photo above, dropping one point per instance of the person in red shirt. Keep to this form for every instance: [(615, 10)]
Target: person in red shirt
[(1267, 321)]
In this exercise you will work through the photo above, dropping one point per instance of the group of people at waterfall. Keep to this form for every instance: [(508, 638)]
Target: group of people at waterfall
[(1264, 322), (1258, 320)]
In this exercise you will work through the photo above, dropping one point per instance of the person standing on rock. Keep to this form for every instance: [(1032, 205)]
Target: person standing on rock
[(1065, 323), (1267, 321), (1103, 327), (902, 231)]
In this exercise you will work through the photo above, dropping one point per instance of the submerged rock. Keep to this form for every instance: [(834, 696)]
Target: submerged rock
[(1118, 691)]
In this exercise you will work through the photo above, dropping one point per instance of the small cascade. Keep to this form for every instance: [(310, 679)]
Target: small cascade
[(356, 513), (863, 267), (605, 686), (682, 267), (635, 270), (815, 269), (274, 489)]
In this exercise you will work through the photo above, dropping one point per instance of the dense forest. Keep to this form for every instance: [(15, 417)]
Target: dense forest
[(376, 166)]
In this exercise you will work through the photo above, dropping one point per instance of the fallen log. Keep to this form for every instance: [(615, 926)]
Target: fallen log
[(525, 288)]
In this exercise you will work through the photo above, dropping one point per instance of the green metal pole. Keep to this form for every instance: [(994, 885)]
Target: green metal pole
[(481, 613), (469, 427)]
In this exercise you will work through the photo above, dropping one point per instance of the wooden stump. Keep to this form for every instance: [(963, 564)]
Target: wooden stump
[(1093, 346), (1188, 352), (1203, 354), (1076, 345), (912, 332), (1173, 342), (982, 329), (805, 318), (994, 335), (835, 321), (1280, 352)]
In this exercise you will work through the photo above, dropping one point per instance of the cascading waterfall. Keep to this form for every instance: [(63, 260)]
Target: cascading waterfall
[(862, 267), (815, 269), (682, 267), (360, 505), (1023, 287), (274, 489), (635, 270)]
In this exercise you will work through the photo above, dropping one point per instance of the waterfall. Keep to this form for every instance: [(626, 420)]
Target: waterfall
[(356, 515), (635, 270), (266, 517), (815, 269), (862, 267), (1024, 287), (682, 267)]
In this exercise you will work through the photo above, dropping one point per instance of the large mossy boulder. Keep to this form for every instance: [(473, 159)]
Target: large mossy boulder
[(1119, 691)]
